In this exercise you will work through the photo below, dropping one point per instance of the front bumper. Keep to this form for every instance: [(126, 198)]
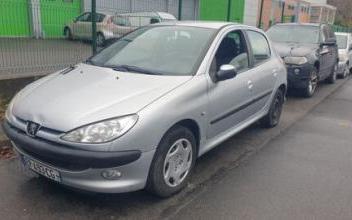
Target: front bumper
[(298, 76), (83, 169)]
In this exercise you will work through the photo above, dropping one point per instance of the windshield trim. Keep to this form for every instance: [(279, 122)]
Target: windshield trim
[(198, 62)]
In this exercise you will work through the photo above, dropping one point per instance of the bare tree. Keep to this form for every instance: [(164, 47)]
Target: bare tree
[(344, 11)]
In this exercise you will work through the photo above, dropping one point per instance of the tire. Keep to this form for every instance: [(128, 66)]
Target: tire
[(345, 73), (272, 119), (100, 40), (68, 33), (312, 84), (332, 78), (173, 162)]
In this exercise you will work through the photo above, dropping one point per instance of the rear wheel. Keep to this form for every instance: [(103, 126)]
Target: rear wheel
[(173, 162), (100, 40), (333, 75), (345, 73), (312, 84), (272, 119)]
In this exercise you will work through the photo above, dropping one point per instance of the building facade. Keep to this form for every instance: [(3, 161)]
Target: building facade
[(323, 13)]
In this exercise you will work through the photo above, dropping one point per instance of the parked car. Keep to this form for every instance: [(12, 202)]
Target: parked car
[(139, 113), (344, 43), (110, 27), (309, 52)]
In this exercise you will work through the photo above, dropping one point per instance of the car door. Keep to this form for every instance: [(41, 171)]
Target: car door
[(324, 53), (349, 48), (80, 24), (228, 99), (333, 49), (263, 75)]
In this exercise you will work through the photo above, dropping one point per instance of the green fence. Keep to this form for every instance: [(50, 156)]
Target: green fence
[(14, 18), (338, 28), (55, 14)]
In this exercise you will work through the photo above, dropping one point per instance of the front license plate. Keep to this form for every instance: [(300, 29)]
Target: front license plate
[(43, 170)]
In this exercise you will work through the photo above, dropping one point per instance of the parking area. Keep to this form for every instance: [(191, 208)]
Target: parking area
[(24, 196)]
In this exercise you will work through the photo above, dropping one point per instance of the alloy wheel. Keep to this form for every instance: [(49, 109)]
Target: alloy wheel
[(313, 83), (178, 162)]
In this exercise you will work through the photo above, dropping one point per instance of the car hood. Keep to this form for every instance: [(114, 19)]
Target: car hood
[(294, 49), (88, 94)]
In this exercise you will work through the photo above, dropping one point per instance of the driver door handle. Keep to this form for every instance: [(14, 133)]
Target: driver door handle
[(250, 85)]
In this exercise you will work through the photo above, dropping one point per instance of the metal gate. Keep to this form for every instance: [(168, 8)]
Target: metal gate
[(189, 7)]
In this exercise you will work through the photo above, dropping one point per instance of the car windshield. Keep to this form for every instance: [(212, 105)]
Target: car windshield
[(294, 34), (162, 50), (341, 41)]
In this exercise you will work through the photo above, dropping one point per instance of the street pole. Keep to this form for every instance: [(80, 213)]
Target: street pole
[(261, 14), (179, 10), (94, 27), (229, 3), (283, 11)]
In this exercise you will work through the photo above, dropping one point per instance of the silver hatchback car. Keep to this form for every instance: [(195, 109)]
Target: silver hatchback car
[(139, 113)]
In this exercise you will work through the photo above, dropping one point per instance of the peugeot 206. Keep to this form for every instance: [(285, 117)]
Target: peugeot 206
[(139, 113)]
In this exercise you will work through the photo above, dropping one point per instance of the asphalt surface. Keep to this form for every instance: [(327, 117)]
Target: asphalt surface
[(23, 57), (304, 173), (299, 170)]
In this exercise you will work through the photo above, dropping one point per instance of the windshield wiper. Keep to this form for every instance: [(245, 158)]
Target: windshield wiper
[(129, 68)]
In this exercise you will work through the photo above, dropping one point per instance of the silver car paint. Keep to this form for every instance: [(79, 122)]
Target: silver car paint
[(65, 102)]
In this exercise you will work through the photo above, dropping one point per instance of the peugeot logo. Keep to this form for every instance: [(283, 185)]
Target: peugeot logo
[(32, 128)]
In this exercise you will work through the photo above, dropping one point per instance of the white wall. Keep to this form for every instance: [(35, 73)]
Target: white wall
[(251, 12)]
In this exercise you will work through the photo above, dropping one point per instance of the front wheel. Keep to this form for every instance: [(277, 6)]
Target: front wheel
[(312, 84), (272, 119), (173, 162)]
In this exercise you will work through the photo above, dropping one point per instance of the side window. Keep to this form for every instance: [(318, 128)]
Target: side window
[(260, 47), (82, 17), (86, 17), (121, 21), (99, 17), (232, 51)]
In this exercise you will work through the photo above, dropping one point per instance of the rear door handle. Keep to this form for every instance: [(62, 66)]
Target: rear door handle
[(250, 85)]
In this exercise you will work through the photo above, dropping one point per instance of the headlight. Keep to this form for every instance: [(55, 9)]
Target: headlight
[(296, 60), (103, 131), (8, 111)]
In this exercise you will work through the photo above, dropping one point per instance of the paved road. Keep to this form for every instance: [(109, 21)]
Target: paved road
[(304, 173), (234, 166)]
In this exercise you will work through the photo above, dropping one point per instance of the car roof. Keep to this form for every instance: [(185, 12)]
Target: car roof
[(298, 24), (205, 24)]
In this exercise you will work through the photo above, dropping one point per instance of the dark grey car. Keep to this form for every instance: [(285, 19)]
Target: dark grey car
[(309, 52)]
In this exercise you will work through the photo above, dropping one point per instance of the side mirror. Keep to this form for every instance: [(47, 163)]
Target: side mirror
[(226, 72), (328, 43)]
